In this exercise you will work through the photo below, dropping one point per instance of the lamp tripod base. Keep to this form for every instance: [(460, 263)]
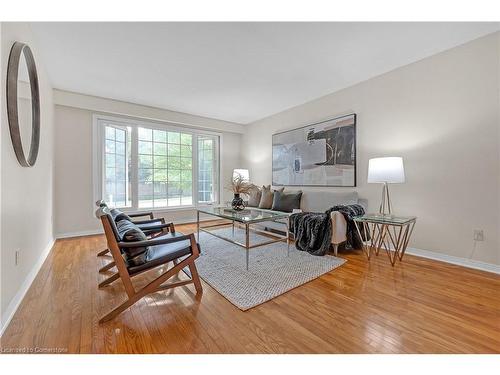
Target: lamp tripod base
[(385, 209)]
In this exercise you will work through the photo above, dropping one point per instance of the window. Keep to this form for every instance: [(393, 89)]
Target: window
[(117, 156), (206, 177), (152, 166)]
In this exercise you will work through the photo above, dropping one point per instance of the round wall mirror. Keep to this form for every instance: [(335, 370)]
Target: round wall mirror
[(23, 104)]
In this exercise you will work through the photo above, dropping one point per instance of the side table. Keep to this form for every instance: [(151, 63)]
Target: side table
[(386, 231)]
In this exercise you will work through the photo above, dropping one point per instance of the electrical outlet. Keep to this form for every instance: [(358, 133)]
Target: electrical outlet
[(17, 257), (478, 235)]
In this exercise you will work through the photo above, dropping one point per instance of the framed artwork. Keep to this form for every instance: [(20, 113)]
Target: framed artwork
[(320, 154)]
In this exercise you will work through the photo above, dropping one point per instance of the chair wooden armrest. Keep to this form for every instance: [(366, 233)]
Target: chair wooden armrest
[(156, 241), (141, 214), (149, 221), (158, 229)]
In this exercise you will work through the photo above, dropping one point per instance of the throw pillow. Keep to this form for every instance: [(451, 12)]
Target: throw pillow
[(129, 232), (286, 202), (254, 197), (266, 200)]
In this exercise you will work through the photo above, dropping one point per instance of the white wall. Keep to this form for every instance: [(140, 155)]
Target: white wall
[(26, 193), (98, 104), (442, 115), (74, 204)]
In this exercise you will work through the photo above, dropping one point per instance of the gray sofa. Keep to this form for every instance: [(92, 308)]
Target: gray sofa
[(320, 201)]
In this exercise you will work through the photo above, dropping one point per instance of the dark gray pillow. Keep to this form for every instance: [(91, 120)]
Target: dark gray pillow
[(286, 202), (129, 232)]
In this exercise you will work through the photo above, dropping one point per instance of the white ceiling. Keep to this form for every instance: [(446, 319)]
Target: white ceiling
[(238, 72)]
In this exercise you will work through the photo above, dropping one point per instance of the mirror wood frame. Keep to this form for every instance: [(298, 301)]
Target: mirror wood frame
[(17, 49)]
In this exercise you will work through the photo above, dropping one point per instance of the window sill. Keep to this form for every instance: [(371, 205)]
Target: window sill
[(165, 209)]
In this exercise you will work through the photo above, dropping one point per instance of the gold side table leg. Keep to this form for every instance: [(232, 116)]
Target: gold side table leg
[(380, 237), (409, 231), (383, 241), (393, 255), (396, 240), (366, 228)]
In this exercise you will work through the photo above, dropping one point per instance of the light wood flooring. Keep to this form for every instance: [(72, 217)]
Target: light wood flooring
[(418, 306)]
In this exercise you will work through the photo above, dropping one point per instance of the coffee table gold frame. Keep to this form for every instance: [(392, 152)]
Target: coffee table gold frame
[(234, 221), (390, 233)]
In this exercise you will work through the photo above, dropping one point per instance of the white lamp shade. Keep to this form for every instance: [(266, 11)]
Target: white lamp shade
[(245, 176), (388, 170)]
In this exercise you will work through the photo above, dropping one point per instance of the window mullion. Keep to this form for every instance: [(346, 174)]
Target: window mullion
[(215, 169), (102, 164), (195, 169), (134, 175)]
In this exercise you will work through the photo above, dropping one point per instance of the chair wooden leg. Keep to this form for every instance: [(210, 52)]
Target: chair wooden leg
[(117, 310), (153, 286), (109, 280), (195, 277), (173, 285), (125, 305), (107, 267), (103, 252)]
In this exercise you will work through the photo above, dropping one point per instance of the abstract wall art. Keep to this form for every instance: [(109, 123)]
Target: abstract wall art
[(320, 154)]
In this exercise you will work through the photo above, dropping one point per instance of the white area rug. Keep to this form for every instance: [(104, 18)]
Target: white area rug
[(271, 272)]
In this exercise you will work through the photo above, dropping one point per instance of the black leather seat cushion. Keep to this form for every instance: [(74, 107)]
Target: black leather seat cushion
[(160, 254)]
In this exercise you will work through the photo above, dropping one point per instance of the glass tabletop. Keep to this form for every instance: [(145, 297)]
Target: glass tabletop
[(385, 219), (248, 215)]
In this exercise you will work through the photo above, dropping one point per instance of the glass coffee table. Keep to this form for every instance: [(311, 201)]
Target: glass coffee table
[(246, 218)]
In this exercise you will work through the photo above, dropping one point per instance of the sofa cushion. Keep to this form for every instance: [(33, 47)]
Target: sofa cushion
[(159, 254), (254, 197), (320, 201), (286, 201), (129, 232)]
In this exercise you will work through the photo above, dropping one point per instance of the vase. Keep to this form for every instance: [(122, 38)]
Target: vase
[(237, 204)]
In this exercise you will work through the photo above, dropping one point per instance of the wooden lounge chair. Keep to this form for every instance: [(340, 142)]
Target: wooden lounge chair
[(181, 250)]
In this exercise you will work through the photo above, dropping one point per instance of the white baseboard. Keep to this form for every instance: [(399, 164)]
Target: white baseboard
[(465, 262), (16, 301), (79, 234)]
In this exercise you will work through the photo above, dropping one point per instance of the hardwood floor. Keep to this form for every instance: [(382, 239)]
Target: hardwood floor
[(419, 306)]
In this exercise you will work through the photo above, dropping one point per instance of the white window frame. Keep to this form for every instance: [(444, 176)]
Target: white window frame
[(98, 160)]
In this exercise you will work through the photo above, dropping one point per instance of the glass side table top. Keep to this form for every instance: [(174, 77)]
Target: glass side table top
[(248, 215), (385, 219)]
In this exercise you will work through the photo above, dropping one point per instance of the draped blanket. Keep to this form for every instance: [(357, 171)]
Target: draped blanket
[(313, 231)]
